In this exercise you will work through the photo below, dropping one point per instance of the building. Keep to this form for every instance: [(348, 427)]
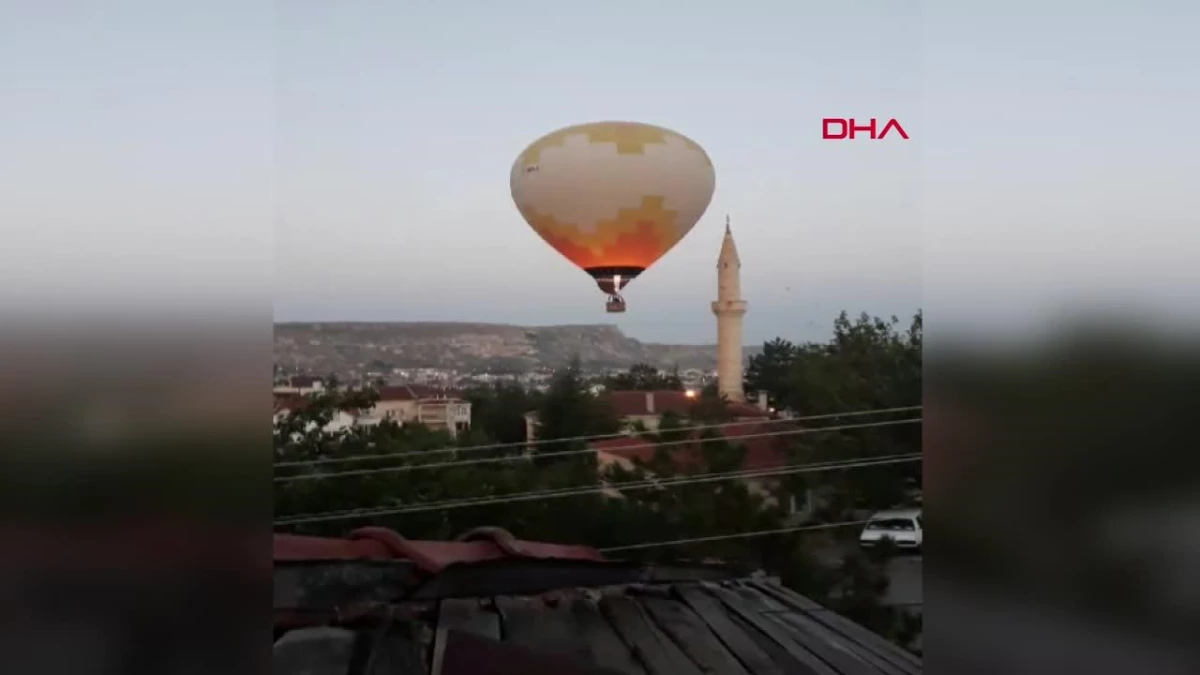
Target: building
[(288, 403), (491, 604), (767, 445), (729, 309), (304, 385), (643, 410), (439, 409), (754, 427), (646, 408), (434, 407), (763, 450)]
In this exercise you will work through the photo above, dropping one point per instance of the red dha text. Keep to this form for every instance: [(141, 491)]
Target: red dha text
[(835, 128)]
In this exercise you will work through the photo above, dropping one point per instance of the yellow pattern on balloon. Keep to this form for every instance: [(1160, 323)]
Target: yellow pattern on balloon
[(629, 138)]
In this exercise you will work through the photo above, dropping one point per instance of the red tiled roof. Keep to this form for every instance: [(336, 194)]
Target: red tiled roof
[(742, 410), (290, 402), (762, 452), (629, 403), (645, 403), (378, 543)]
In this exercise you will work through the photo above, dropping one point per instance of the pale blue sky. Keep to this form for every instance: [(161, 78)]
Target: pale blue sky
[(397, 129), (153, 144)]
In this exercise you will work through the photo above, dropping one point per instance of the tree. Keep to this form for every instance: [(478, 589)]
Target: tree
[(770, 369), (871, 364), (645, 377), (710, 407), (868, 364), (499, 411), (569, 410)]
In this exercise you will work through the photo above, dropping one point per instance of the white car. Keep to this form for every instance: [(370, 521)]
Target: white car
[(903, 527)]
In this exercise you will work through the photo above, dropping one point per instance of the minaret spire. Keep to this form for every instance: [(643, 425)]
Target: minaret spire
[(729, 309)]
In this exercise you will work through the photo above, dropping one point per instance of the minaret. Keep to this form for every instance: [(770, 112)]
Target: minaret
[(729, 309)]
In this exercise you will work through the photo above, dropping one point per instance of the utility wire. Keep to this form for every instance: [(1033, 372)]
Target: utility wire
[(575, 489), (584, 451), (582, 490), (532, 443), (588, 489), (572, 489), (742, 535)]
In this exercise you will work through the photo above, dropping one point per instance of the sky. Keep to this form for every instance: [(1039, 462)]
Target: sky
[(351, 158), (398, 128)]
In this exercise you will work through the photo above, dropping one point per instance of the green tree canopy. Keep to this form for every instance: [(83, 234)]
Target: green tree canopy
[(645, 377)]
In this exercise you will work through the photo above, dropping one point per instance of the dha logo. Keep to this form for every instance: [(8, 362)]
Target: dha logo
[(837, 129)]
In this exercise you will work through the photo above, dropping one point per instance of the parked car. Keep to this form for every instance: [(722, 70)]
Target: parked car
[(903, 527)]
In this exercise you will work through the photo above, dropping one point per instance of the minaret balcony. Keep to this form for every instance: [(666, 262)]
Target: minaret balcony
[(729, 307)]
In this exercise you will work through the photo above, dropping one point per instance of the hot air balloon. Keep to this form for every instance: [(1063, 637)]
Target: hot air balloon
[(613, 197)]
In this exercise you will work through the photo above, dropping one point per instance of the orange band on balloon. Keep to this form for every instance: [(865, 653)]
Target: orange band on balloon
[(634, 238), (640, 248)]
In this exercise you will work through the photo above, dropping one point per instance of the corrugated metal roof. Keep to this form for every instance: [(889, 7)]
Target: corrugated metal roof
[(489, 603), (738, 627)]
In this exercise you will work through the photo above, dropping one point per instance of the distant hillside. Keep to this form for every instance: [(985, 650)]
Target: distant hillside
[(347, 348)]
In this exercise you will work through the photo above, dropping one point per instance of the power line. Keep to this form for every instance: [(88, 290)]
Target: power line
[(597, 437), (566, 453), (582, 490), (742, 535), (579, 490)]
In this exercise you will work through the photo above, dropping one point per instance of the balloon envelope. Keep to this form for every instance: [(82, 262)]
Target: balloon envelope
[(613, 197)]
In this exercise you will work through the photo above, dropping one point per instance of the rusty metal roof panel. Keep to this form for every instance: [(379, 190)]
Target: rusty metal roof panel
[(864, 641), (737, 627), (733, 633), (476, 616), (841, 654), (607, 647), (489, 603), (688, 629), (756, 618), (546, 624), (648, 643), (468, 654)]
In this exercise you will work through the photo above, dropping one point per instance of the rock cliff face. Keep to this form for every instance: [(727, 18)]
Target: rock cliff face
[(350, 347)]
